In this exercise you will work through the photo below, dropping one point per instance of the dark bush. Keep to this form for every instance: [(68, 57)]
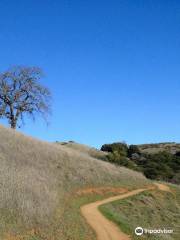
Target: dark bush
[(160, 166), (121, 148), (133, 149), (178, 154), (121, 160)]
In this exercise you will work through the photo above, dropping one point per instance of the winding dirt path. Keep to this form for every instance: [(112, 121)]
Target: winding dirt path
[(105, 229)]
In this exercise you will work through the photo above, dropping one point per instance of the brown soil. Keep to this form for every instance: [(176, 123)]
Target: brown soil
[(163, 187), (101, 191)]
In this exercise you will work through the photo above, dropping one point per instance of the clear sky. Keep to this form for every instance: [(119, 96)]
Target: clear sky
[(113, 66)]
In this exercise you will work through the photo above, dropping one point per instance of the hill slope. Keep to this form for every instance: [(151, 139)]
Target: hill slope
[(170, 147), (38, 185), (93, 152)]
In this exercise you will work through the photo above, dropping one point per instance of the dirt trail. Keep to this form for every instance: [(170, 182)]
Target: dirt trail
[(105, 229), (163, 187)]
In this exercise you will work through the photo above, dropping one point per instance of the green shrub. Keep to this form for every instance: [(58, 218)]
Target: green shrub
[(121, 148), (118, 159), (133, 149)]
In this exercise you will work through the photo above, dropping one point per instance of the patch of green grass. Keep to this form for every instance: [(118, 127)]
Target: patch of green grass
[(114, 217), (34, 238), (155, 209)]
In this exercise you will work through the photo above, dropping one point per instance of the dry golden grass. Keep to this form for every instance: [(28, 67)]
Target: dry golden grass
[(159, 147), (36, 177), (82, 148)]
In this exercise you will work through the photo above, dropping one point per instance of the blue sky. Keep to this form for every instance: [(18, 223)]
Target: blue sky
[(113, 66)]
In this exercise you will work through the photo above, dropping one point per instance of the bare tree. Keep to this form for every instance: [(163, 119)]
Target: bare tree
[(22, 94)]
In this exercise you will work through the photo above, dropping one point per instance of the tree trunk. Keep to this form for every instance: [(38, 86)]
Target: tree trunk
[(13, 120), (13, 124)]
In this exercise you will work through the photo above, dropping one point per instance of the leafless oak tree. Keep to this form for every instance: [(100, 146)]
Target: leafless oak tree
[(22, 94)]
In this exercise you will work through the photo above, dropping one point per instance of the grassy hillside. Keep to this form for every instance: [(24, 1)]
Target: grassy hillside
[(39, 182), (93, 152), (152, 210)]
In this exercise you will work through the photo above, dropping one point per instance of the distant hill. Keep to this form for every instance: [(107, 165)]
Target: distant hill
[(170, 147), (160, 161)]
